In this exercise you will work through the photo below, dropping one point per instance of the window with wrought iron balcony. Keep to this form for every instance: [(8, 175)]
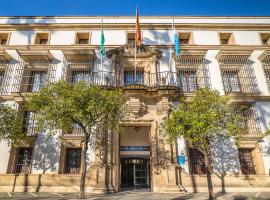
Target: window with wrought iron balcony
[(33, 80)]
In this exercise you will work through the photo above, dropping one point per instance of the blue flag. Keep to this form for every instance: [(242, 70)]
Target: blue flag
[(176, 44)]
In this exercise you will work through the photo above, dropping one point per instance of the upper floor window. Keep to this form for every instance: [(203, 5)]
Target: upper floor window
[(81, 75), (4, 38), (37, 80), (24, 160), (265, 37), (188, 81), (267, 75), (2, 73), (226, 38), (82, 38), (131, 37), (196, 161), (185, 38), (73, 161), (129, 77), (42, 38), (231, 81), (246, 161), (29, 123)]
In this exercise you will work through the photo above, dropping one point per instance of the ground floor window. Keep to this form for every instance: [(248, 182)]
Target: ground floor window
[(24, 160), (73, 161), (246, 161), (196, 160)]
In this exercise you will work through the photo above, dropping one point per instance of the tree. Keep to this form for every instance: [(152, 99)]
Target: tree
[(61, 105), (202, 119), (11, 124)]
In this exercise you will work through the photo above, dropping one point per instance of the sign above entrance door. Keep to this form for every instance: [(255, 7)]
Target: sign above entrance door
[(134, 148)]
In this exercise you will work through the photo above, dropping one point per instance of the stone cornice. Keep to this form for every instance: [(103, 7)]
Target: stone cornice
[(265, 57), (108, 47), (33, 56), (233, 56), (79, 55), (130, 26), (4, 56)]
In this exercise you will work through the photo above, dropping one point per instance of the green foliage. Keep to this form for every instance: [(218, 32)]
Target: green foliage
[(11, 124), (204, 117), (60, 105)]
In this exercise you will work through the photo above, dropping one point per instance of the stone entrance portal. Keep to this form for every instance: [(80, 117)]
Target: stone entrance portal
[(135, 167)]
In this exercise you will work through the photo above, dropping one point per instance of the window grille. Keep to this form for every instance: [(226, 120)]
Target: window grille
[(73, 161), (31, 77), (246, 161), (251, 122), (196, 160), (29, 123), (2, 74), (76, 71), (231, 81), (188, 81), (193, 73), (24, 160), (76, 131), (237, 72), (265, 60), (129, 77)]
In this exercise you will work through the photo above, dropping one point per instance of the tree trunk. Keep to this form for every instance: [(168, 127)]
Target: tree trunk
[(208, 174), (83, 169)]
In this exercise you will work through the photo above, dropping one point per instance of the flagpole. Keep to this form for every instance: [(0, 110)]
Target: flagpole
[(170, 61), (135, 68), (101, 53)]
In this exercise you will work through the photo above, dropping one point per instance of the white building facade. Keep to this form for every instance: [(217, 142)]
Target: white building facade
[(228, 54)]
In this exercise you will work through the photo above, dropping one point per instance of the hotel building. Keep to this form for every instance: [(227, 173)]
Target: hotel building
[(228, 54)]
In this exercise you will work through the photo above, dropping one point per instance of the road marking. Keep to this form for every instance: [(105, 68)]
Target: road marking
[(9, 194), (257, 194), (32, 194), (57, 194)]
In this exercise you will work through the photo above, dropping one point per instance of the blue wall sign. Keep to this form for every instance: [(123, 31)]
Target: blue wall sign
[(181, 159)]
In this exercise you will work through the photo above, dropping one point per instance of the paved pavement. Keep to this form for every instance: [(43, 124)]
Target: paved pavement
[(135, 195)]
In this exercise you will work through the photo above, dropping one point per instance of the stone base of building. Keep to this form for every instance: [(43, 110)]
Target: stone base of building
[(187, 183)]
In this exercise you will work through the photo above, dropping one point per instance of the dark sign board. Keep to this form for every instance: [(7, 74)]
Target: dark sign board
[(134, 148)]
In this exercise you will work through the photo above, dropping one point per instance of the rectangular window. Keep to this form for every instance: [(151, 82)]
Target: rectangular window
[(81, 75), (197, 163), (131, 37), (265, 37), (29, 123), (4, 38), (129, 77), (24, 160), (185, 38), (2, 74), (246, 161), (42, 38), (188, 81), (37, 80), (231, 81), (83, 38), (226, 38), (73, 161)]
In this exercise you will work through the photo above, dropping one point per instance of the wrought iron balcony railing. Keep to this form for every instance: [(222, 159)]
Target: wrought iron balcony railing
[(187, 82)]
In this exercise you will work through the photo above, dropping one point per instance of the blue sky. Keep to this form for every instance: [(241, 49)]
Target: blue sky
[(127, 7)]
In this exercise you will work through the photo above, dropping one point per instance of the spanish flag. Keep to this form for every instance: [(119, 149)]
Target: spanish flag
[(138, 30)]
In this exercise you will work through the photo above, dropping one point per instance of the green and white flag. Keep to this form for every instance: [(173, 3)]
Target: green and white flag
[(102, 41)]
